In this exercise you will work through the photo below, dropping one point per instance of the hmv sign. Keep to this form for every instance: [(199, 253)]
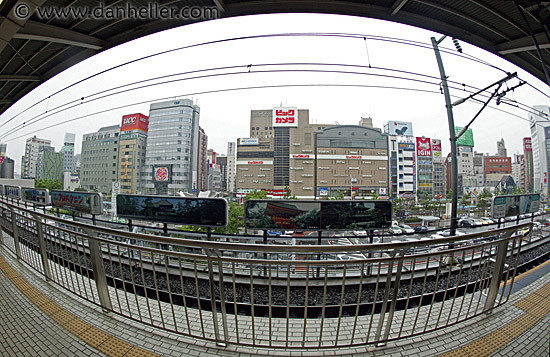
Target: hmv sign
[(134, 122), (285, 117)]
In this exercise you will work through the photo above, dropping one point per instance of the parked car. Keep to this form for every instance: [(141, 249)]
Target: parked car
[(421, 229), (487, 220), (467, 222), (395, 230), (447, 233), (478, 222), (406, 229), (511, 218)]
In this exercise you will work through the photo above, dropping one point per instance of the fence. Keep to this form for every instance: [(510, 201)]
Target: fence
[(274, 295)]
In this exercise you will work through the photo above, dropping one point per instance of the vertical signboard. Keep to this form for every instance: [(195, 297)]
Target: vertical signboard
[(423, 146), (436, 147), (527, 146), (285, 117)]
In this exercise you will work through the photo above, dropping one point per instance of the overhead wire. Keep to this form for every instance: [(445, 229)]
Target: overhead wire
[(300, 34)]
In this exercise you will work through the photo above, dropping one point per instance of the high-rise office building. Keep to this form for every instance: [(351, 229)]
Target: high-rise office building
[(29, 161), (131, 151), (538, 124), (171, 156), (68, 152), (99, 159)]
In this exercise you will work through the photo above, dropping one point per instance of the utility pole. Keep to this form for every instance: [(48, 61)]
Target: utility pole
[(454, 137), (454, 163)]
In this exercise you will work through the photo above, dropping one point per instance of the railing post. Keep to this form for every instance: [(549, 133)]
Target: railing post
[(42, 247), (219, 341), (385, 301), (99, 271), (15, 234), (494, 285)]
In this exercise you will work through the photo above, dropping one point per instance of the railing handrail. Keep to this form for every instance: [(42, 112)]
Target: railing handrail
[(262, 248)]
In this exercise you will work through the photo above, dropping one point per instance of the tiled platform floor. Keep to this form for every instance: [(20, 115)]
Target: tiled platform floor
[(37, 318)]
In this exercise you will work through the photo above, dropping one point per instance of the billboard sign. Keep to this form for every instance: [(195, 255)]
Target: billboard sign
[(249, 141), (423, 147), (323, 191), (134, 122), (406, 146), (400, 128), (317, 215), (436, 147), (513, 205), (78, 201), (467, 139), (38, 196), (2, 159), (527, 146), (12, 192), (206, 212), (162, 173), (285, 117)]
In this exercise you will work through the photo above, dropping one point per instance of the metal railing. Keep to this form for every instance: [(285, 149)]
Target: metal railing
[(274, 295)]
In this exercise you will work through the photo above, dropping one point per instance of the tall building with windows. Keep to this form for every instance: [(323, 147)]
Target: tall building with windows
[(29, 161), (538, 124), (402, 153), (131, 151), (99, 159), (171, 156), (68, 152), (313, 160)]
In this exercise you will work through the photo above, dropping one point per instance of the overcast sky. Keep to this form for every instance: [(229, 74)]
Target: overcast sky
[(225, 115)]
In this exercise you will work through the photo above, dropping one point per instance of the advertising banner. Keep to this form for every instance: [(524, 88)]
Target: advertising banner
[(38, 196), (285, 117), (249, 141), (527, 146), (436, 147), (206, 212), (467, 139), (400, 128), (513, 205), (406, 146), (78, 201), (423, 146), (134, 122), (320, 215), (13, 192), (162, 173)]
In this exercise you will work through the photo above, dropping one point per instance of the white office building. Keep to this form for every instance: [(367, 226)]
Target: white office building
[(171, 157), (538, 123)]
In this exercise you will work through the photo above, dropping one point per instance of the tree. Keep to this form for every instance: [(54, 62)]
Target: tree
[(288, 194), (256, 195), (339, 195), (49, 184)]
